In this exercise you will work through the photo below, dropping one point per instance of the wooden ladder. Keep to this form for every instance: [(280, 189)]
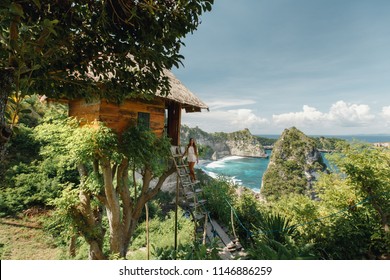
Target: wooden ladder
[(191, 191)]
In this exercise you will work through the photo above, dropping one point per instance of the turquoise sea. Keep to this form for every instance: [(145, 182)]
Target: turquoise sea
[(249, 171), (241, 170)]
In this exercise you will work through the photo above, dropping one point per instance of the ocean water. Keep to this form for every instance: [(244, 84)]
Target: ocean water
[(240, 170), (249, 171), (363, 138)]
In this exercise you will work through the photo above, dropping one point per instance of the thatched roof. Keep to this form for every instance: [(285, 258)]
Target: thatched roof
[(179, 93)]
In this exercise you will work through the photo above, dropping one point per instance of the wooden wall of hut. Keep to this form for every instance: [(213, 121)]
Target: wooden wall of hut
[(120, 116), (174, 122)]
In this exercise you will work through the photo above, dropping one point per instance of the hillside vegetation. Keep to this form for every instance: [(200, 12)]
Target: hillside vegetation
[(294, 164), (348, 219)]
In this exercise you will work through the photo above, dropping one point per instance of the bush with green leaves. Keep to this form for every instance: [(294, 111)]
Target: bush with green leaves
[(219, 193), (194, 251), (348, 218), (162, 232), (360, 197), (275, 238), (28, 178)]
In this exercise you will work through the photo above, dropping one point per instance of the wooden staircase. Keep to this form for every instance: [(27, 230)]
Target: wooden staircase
[(189, 191), (191, 200)]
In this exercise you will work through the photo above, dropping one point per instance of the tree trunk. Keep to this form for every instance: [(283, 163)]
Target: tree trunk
[(89, 221), (113, 210), (72, 246), (146, 195), (376, 204), (95, 250), (383, 215), (122, 210), (6, 80)]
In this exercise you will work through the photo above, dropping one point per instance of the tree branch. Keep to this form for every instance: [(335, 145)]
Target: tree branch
[(151, 193)]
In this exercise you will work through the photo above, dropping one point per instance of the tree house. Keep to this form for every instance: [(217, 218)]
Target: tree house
[(161, 115)]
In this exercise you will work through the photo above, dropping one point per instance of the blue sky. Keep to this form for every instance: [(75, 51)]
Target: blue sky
[(320, 65)]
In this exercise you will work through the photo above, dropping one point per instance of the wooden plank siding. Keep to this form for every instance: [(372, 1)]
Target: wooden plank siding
[(120, 116), (174, 122)]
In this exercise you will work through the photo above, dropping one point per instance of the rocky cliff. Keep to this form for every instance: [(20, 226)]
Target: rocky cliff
[(218, 145), (293, 166)]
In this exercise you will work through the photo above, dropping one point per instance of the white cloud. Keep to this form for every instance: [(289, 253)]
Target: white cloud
[(386, 114), (340, 114), (350, 115), (227, 121), (246, 117), (340, 118), (308, 116), (219, 104)]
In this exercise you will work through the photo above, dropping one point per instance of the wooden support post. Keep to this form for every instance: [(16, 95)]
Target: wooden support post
[(174, 116), (176, 209), (232, 221), (147, 230), (205, 230)]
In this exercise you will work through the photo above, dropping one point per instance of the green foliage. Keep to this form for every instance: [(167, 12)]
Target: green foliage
[(368, 170), (95, 141), (104, 49), (301, 211), (31, 187), (162, 230), (274, 239), (22, 148), (249, 210), (283, 178), (293, 159), (350, 236), (345, 221), (270, 249), (365, 173), (28, 177), (219, 193), (27, 111), (193, 251), (328, 144), (276, 227), (60, 224), (266, 141), (345, 218), (205, 151), (142, 147), (71, 49)]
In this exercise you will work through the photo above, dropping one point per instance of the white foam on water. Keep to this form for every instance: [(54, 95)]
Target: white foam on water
[(236, 181), (231, 158), (221, 163), (215, 164), (211, 174)]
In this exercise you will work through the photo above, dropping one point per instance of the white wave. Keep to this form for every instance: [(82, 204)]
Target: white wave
[(211, 174), (233, 180), (221, 163), (215, 164), (236, 181), (231, 158)]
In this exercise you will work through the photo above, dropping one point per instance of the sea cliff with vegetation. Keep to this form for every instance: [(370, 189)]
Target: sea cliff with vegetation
[(219, 144), (293, 167)]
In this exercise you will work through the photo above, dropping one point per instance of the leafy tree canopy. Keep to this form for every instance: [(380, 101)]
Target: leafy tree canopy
[(112, 48)]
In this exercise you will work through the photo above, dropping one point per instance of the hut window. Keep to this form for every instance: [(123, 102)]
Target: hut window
[(144, 120)]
